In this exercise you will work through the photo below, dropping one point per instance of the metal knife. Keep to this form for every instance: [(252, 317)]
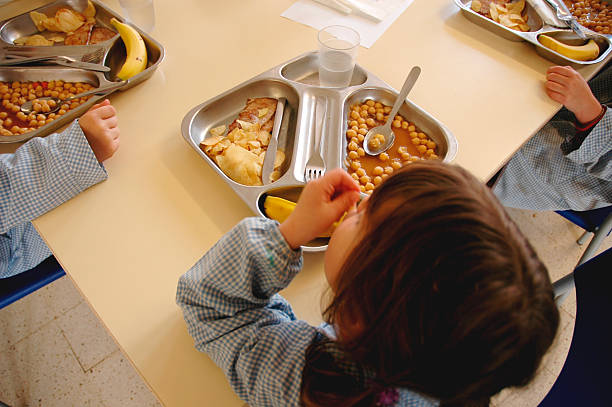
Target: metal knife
[(564, 14), (281, 116)]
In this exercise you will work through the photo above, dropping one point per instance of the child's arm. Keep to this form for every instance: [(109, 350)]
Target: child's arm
[(46, 172), (233, 313)]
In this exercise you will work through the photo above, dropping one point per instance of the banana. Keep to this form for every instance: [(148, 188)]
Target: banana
[(586, 52), (136, 58), (279, 209)]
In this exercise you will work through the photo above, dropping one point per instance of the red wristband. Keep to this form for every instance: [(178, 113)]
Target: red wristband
[(587, 126)]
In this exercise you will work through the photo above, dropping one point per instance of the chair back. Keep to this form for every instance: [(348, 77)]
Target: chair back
[(587, 372), (20, 285)]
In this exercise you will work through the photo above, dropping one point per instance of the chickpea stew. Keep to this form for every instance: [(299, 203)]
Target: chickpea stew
[(14, 122), (411, 144), (593, 14)]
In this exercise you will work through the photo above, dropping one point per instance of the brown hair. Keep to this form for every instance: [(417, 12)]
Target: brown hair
[(453, 301)]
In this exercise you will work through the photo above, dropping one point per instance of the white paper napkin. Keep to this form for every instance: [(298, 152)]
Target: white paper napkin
[(317, 16)]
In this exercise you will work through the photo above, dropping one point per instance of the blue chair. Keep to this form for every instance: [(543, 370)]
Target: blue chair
[(20, 285), (596, 223), (587, 374)]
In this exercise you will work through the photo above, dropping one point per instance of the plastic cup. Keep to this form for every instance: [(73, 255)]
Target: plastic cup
[(337, 51), (140, 13)]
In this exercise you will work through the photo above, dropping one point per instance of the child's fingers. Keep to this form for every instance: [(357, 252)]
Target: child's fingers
[(558, 78), (341, 181), (106, 111), (557, 97), (561, 70), (112, 122), (556, 87), (115, 133), (343, 202), (97, 105)]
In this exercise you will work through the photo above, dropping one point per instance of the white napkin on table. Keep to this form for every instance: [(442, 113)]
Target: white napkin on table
[(316, 15)]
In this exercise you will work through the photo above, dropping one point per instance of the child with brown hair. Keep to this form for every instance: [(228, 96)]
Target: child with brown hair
[(437, 297)]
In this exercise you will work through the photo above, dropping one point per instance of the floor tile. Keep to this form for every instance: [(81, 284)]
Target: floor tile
[(41, 370), (89, 340), (61, 295), (23, 317), (120, 385)]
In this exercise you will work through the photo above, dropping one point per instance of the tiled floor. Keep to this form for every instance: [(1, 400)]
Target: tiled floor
[(54, 351)]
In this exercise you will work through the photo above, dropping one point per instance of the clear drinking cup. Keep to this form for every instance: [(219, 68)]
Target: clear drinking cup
[(141, 13), (337, 51)]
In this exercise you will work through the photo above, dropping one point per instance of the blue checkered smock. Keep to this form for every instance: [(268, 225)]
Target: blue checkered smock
[(234, 314), (559, 168), (40, 175)]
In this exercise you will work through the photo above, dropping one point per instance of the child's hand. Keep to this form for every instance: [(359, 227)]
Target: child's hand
[(99, 124), (322, 202), (565, 85)]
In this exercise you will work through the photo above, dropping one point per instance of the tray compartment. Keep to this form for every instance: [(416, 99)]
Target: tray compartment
[(446, 142), (11, 74), (570, 38), (224, 109), (306, 70)]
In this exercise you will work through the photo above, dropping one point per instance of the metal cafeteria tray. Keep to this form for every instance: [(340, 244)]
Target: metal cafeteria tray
[(538, 27), (297, 81), (110, 53)]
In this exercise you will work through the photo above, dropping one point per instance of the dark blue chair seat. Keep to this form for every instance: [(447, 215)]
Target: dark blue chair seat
[(16, 287), (587, 372)]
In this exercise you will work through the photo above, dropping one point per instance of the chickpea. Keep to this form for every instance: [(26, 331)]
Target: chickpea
[(405, 156), (46, 108), (411, 128), (387, 109), (370, 122), (355, 176), (380, 117), (363, 131), (8, 122), (404, 125), (353, 123), (378, 170), (421, 148), (360, 138), (47, 92), (389, 170), (21, 116), (74, 105), (431, 144), (369, 186), (372, 110), (356, 128), (67, 85), (41, 123), (422, 135), (429, 152), (15, 108), (383, 156), (48, 121), (413, 134), (353, 155), (354, 140), (361, 172), (54, 93), (397, 123), (396, 165), (361, 152), (5, 132), (33, 123), (38, 93), (40, 117), (352, 146), (351, 133), (362, 188), (401, 149), (378, 105), (356, 165), (416, 141), (361, 120), (354, 115), (363, 126), (364, 114), (374, 143), (384, 176), (364, 179), (370, 103), (433, 157), (377, 180), (52, 103), (61, 112)]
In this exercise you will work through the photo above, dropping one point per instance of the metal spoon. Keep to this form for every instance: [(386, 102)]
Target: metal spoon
[(27, 107), (385, 129)]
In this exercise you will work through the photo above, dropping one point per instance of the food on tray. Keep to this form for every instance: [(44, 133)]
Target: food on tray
[(67, 27), (411, 144), (241, 153), (593, 14), (136, 50), (13, 94), (586, 52), (509, 13)]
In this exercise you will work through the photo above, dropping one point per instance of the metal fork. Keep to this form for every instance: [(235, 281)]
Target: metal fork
[(315, 167)]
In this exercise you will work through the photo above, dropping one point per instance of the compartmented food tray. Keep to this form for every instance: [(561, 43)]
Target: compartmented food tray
[(297, 82), (537, 27), (110, 53)]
